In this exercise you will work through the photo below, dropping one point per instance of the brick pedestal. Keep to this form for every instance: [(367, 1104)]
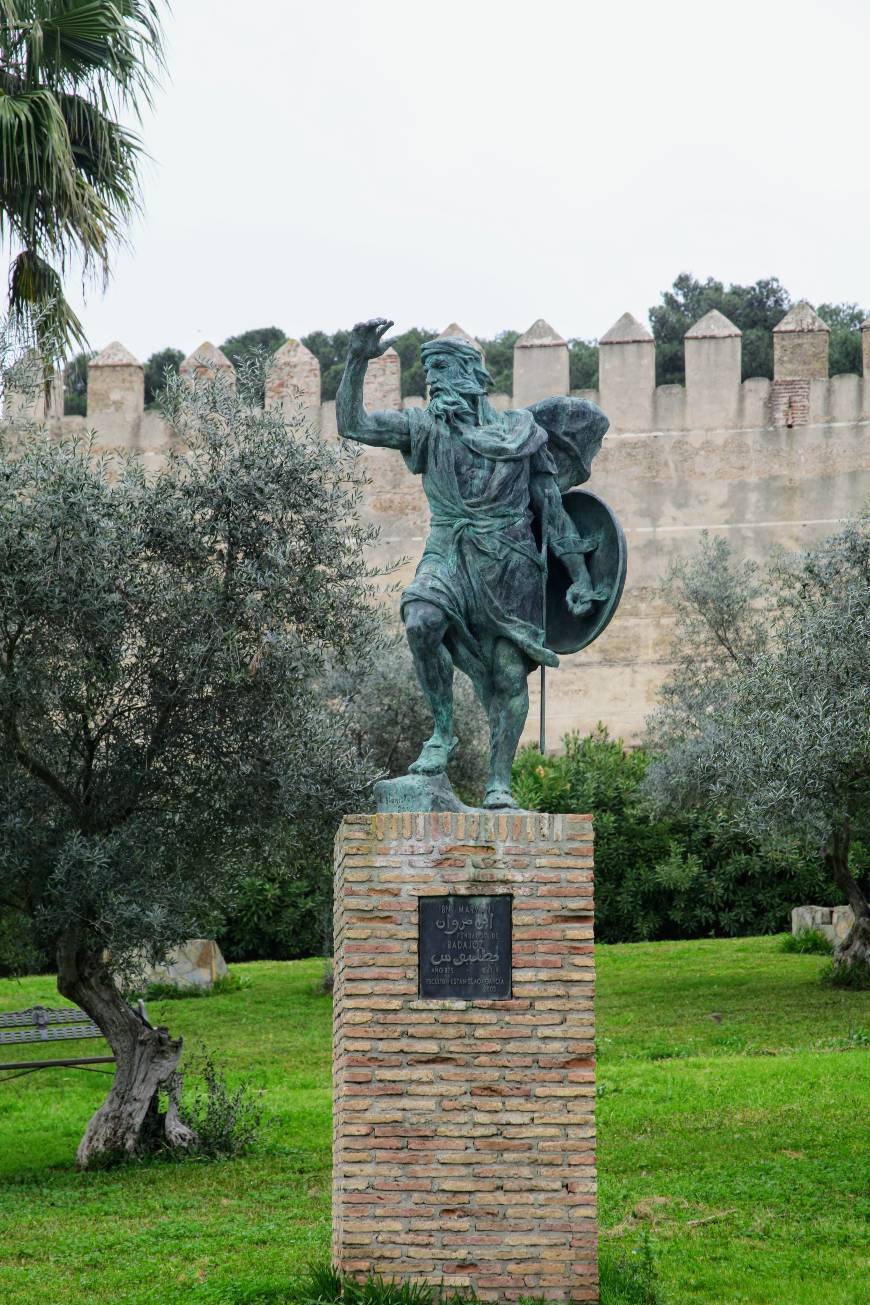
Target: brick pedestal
[(464, 1129)]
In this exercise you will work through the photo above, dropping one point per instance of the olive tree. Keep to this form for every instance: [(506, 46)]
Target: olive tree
[(163, 715), (767, 712)]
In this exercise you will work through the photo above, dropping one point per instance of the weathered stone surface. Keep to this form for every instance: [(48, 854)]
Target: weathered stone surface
[(116, 395), (195, 964), (627, 374), (383, 383), (293, 379), (842, 919), (801, 318), (790, 404), (463, 1130), (712, 326), (713, 365), (627, 330), (207, 361), (800, 345), (805, 918), (541, 364), (114, 355), (833, 922), (417, 793)]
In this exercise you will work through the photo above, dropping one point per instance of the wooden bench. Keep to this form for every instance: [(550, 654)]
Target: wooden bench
[(44, 1024)]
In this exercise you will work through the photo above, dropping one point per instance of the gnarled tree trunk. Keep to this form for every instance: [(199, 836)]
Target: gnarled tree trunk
[(129, 1121), (855, 947)]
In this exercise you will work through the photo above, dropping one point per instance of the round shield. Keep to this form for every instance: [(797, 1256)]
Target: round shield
[(566, 633)]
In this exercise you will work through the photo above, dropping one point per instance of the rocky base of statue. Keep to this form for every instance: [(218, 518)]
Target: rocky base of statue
[(433, 793), (417, 793)]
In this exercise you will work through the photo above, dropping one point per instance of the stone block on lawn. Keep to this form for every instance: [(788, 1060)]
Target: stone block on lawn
[(195, 964)]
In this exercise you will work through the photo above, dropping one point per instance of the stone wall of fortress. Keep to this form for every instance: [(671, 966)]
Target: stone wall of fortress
[(762, 462)]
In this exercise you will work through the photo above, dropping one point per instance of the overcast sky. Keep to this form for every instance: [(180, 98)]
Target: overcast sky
[(490, 161)]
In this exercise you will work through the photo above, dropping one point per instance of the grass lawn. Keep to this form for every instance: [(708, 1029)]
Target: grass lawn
[(734, 1095)]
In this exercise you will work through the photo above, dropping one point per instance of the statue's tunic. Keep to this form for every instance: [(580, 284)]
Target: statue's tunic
[(481, 565)]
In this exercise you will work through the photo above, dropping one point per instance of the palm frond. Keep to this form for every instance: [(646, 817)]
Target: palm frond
[(34, 141), (112, 46), (36, 296), (104, 152), (68, 168), (47, 199)]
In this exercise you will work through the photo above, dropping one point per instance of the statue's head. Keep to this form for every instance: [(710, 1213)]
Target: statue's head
[(456, 376)]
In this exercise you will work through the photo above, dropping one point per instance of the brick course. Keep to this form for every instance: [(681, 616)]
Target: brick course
[(464, 1136)]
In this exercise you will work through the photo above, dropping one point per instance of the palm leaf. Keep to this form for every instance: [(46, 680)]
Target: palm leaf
[(68, 168), (112, 46), (36, 297)]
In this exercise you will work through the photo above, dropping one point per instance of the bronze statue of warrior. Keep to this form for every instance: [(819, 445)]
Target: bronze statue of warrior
[(494, 483)]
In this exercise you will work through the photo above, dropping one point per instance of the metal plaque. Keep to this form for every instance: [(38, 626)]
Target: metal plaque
[(465, 947)]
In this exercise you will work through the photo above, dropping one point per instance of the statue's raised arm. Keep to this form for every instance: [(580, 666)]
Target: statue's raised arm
[(387, 429), (505, 530)]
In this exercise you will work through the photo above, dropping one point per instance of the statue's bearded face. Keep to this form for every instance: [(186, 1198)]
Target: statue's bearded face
[(453, 385)]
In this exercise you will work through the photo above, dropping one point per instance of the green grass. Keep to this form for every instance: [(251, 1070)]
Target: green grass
[(733, 1089)]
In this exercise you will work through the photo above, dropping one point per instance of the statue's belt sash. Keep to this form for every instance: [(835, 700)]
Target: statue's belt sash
[(479, 528)]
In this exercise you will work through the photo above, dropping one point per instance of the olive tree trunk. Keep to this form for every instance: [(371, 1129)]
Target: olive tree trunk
[(855, 947), (129, 1121)]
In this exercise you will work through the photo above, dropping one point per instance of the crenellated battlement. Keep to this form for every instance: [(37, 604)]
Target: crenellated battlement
[(764, 462), (713, 397)]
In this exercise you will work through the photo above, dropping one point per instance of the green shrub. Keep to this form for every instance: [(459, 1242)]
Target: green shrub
[(324, 1285), (856, 976), (19, 951), (629, 1278), (809, 942), (656, 877), (282, 912), (227, 1121)]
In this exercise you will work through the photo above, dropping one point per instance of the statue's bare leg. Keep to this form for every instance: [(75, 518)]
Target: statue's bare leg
[(508, 710), (425, 626)]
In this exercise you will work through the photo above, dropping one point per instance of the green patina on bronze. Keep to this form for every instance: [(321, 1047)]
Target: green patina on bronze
[(504, 544)]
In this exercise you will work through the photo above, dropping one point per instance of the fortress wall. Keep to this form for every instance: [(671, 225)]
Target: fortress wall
[(758, 488), (763, 462)]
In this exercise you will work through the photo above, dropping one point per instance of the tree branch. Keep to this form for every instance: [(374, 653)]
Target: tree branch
[(38, 769)]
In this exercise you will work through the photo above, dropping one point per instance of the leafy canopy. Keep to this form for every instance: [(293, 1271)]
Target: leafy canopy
[(263, 340), (756, 310), (75, 385), (156, 368), (685, 874), (768, 717), (163, 642), (69, 71), (770, 712)]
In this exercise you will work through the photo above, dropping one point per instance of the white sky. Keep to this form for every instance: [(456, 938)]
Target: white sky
[(491, 161)]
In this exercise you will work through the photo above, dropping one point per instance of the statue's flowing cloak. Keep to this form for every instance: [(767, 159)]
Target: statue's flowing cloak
[(481, 565)]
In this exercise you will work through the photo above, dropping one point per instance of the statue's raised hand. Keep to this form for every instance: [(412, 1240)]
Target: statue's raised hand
[(366, 339)]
